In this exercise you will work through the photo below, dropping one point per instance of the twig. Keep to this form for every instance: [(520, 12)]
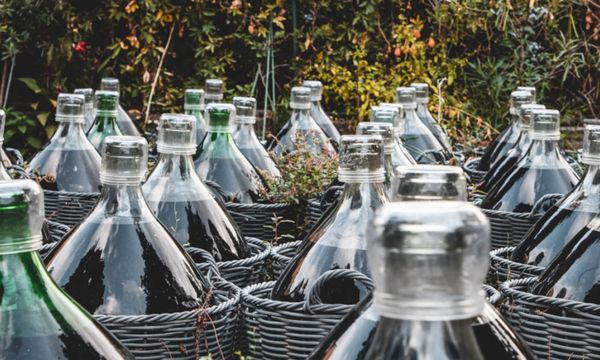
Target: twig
[(10, 75), (155, 82)]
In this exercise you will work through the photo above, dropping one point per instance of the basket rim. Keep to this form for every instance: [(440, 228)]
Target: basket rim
[(71, 194), (498, 256), (258, 206), (512, 289), (492, 295), (263, 248)]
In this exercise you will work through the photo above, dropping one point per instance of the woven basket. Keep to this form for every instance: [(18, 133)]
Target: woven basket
[(281, 256), (470, 168), (314, 210), (67, 207), (492, 295), (189, 335), (57, 233), (503, 269), (259, 220), (14, 156), (553, 328), (243, 272), (290, 330)]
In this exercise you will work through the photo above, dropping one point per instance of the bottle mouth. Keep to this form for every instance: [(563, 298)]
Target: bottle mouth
[(361, 176), (106, 113)]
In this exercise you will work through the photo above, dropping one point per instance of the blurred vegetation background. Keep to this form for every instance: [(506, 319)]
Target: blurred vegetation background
[(474, 51)]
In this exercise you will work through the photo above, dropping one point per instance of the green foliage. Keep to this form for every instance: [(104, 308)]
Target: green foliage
[(361, 50)]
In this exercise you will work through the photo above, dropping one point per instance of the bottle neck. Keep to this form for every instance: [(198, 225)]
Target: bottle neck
[(244, 130), (123, 201), (423, 110), (69, 130), (169, 163), (300, 118), (371, 194), (425, 340), (104, 119), (524, 139)]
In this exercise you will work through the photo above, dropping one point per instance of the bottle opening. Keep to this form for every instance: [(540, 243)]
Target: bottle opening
[(21, 216), (526, 112), (300, 98), (383, 129), (88, 94), (398, 113), (214, 89), (106, 103), (518, 98), (316, 89), (110, 84), (591, 145), (428, 260), (422, 92), (194, 100), (430, 182), (219, 117), (545, 125), (70, 108), (407, 96), (124, 160), (245, 110), (176, 134), (361, 159)]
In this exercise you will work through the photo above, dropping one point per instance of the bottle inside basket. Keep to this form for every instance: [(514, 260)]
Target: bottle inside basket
[(121, 260), (339, 240), (506, 140), (393, 114), (88, 94), (386, 131), (194, 105), (423, 113), (126, 125), (69, 161), (221, 161), (301, 131), (4, 160), (180, 200), (106, 105), (416, 137), (563, 221), (541, 171), (417, 243), (318, 114), (38, 320), (504, 165), (351, 337), (246, 140)]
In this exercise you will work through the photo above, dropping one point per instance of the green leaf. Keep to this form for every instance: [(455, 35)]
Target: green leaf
[(34, 142), (43, 118), (32, 84)]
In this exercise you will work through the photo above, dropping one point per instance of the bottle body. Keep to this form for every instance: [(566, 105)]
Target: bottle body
[(68, 163), (301, 131), (102, 127), (339, 242), (125, 124), (183, 204), (420, 142), (433, 126), (121, 261), (325, 123), (246, 140)]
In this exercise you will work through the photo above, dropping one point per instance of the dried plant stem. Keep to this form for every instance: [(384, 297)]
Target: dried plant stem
[(157, 74)]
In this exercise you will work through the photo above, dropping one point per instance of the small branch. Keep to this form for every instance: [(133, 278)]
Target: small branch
[(155, 82)]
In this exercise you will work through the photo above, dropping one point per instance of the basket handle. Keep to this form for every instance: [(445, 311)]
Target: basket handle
[(208, 265), (544, 203), (19, 170), (313, 297), (19, 160)]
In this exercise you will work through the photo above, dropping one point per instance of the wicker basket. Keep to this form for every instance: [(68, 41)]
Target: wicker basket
[(290, 330), (189, 335), (259, 220), (314, 210), (281, 256), (14, 156), (243, 272), (67, 207), (492, 295), (57, 233), (553, 328), (503, 269), (470, 168)]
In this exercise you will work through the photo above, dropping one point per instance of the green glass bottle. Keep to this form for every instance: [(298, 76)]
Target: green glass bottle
[(105, 122), (221, 161), (124, 122), (194, 105), (37, 319), (4, 161)]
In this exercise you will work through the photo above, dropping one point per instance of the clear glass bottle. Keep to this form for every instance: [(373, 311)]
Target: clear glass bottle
[(179, 199), (504, 165), (213, 91), (4, 160), (542, 170), (37, 319), (88, 94), (416, 137), (423, 113), (222, 162), (301, 129), (507, 139), (246, 140), (69, 161), (105, 118), (386, 131), (393, 114), (121, 260), (318, 114), (432, 243), (339, 241), (351, 337), (124, 122), (194, 105)]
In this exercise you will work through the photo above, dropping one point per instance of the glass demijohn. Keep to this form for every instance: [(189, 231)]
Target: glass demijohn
[(318, 114), (393, 114), (423, 113), (124, 122), (105, 118)]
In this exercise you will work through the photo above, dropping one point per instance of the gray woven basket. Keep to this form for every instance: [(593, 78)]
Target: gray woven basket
[(553, 328), (503, 269), (68, 208), (470, 168), (213, 331), (314, 211), (258, 220), (281, 256), (243, 272), (492, 295), (57, 233), (290, 330)]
